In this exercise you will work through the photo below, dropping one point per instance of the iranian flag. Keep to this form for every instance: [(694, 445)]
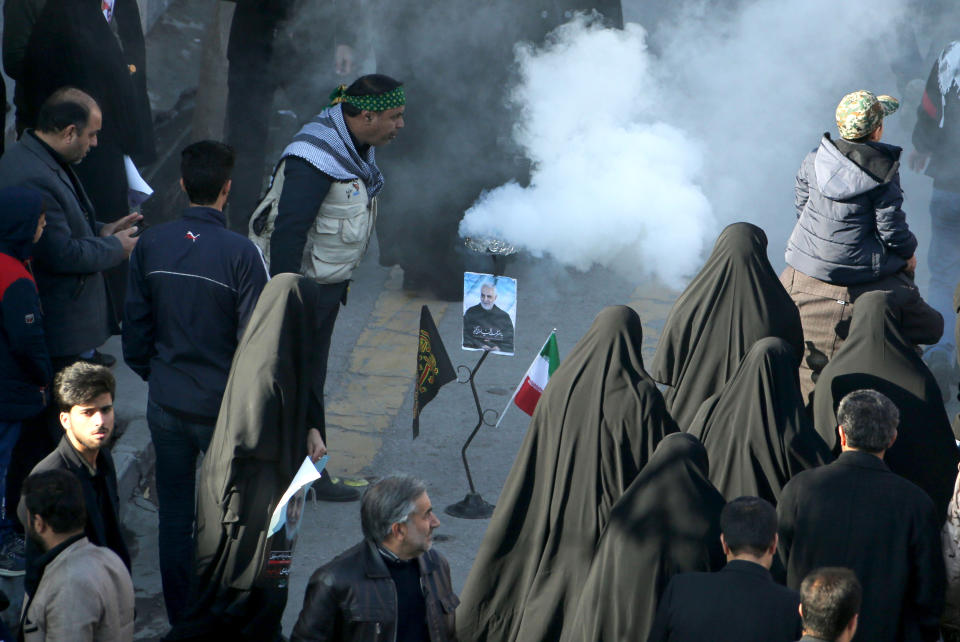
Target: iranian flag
[(538, 374)]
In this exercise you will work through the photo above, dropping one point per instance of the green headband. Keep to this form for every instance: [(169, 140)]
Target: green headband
[(372, 102)]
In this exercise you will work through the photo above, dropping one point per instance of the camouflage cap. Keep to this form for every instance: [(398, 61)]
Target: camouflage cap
[(859, 113)]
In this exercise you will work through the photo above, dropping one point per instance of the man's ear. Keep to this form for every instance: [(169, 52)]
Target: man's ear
[(39, 526), (225, 190), (723, 544), (182, 186), (64, 420), (773, 547), (843, 436), (69, 133)]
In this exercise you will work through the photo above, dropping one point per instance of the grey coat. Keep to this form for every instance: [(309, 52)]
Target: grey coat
[(850, 226), (69, 256)]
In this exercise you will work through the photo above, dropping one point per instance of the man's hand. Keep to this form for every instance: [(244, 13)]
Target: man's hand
[(918, 160), (127, 240), (911, 267), (125, 223), (343, 60), (315, 446)]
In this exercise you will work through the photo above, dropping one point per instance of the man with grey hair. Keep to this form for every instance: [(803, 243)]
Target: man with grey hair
[(390, 586), (485, 325), (858, 514)]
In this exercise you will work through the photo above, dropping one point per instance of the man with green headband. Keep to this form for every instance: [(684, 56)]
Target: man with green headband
[(325, 190)]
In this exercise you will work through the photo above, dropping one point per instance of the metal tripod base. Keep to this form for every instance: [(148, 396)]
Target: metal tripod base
[(470, 507)]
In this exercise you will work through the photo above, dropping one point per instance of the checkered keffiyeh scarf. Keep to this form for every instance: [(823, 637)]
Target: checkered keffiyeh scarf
[(325, 143)]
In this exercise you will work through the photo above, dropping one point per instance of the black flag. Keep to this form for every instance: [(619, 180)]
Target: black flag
[(433, 367)]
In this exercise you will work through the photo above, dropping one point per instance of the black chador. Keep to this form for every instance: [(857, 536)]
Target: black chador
[(735, 300), (756, 429), (667, 522), (257, 447), (876, 355), (599, 419)]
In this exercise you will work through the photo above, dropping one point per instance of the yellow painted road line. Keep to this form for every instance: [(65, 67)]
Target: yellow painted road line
[(379, 377)]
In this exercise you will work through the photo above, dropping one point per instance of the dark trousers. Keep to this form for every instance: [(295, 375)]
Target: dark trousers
[(177, 443), (326, 320)]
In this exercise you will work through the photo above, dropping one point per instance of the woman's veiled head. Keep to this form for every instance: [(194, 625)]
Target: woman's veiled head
[(872, 313), (680, 446), (741, 240)]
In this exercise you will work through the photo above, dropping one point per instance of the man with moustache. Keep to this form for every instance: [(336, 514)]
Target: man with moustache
[(391, 586), (486, 326), (325, 211), (84, 393)]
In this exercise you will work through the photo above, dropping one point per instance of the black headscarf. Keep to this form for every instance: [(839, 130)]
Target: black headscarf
[(257, 447), (756, 429), (735, 300), (876, 355), (667, 522), (599, 419)]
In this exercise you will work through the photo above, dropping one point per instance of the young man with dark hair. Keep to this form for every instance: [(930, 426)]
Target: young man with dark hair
[(740, 603), (830, 605), (85, 592), (84, 393), (192, 287), (858, 514), (326, 210)]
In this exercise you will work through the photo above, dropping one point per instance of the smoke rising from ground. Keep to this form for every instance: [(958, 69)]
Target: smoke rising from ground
[(605, 174), (638, 159)]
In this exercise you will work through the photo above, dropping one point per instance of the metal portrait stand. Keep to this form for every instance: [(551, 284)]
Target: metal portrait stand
[(473, 505)]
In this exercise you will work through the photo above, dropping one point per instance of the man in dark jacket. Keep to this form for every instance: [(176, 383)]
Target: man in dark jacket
[(485, 325), (851, 234), (830, 601), (192, 287), (858, 514), (390, 586), (740, 602), (25, 370), (84, 393), (936, 138), (75, 248)]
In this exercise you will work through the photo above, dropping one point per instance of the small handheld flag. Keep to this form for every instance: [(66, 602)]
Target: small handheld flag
[(434, 369), (531, 387)]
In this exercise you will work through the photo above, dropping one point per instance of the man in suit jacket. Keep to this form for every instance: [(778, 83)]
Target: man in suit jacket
[(75, 247), (741, 602), (858, 514)]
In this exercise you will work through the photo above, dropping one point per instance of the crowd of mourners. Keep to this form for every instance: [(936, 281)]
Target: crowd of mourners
[(786, 469)]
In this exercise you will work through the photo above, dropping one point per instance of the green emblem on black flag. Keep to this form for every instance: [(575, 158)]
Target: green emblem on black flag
[(433, 367)]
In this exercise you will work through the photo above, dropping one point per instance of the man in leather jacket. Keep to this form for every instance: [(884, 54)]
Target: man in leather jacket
[(389, 587)]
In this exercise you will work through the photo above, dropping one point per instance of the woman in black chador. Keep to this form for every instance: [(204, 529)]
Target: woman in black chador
[(593, 430), (876, 355), (756, 429), (258, 445), (667, 522), (735, 300)]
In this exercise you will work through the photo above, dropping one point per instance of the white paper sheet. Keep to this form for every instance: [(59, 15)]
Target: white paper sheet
[(308, 473), (137, 189)]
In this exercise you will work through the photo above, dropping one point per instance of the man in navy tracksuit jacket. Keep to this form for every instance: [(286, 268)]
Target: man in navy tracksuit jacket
[(192, 287), (25, 369)]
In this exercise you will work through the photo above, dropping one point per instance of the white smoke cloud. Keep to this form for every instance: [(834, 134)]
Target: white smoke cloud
[(639, 159), (609, 184)]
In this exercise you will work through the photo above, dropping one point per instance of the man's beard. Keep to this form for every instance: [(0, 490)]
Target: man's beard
[(486, 306)]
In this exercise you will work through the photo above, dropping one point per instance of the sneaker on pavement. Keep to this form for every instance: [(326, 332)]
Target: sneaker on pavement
[(336, 489), (13, 563)]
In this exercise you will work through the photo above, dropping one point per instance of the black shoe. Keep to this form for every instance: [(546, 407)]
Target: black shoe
[(102, 359), (337, 489)]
